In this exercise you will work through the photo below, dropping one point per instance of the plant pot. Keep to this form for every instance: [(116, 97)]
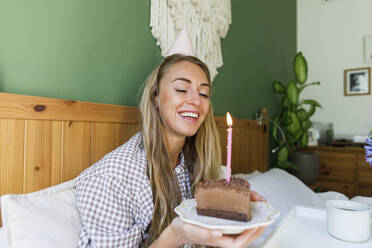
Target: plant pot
[(307, 163)]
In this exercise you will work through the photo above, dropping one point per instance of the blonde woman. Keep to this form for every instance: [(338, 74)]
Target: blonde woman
[(127, 199)]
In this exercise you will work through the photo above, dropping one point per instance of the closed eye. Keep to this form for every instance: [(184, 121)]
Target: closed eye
[(180, 90), (204, 95)]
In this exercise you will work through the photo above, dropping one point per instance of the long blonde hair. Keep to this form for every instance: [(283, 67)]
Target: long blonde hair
[(201, 152)]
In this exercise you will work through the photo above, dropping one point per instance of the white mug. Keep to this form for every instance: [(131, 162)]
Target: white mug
[(348, 220)]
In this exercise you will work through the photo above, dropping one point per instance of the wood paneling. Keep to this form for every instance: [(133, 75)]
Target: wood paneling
[(103, 140), (76, 148), (125, 131), (11, 156), (42, 154), (250, 144), (13, 106)]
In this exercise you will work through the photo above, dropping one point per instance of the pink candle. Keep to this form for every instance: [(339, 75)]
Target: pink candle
[(229, 146)]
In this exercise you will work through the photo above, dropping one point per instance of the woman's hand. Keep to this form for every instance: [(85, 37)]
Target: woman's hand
[(256, 197), (186, 233), (242, 240)]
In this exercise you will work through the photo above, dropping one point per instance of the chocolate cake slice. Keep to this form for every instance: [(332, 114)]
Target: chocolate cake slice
[(224, 200)]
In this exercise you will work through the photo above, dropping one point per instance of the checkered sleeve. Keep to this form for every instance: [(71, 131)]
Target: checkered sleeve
[(107, 214)]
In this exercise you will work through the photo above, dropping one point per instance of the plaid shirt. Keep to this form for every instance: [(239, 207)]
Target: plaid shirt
[(114, 197)]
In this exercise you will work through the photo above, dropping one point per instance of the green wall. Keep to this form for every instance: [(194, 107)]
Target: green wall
[(258, 49), (102, 51)]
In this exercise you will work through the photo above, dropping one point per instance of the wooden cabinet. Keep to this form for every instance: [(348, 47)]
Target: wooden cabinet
[(343, 169), (364, 170), (347, 189), (364, 177), (337, 166)]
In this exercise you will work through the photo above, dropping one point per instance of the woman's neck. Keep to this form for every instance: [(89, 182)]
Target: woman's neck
[(174, 146)]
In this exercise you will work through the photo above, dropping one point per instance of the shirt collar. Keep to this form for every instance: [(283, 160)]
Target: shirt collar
[(181, 167)]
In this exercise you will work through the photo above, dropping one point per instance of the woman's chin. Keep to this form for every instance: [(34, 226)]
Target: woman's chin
[(190, 133)]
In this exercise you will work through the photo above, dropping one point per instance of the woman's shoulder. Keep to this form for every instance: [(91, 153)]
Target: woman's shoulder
[(126, 163)]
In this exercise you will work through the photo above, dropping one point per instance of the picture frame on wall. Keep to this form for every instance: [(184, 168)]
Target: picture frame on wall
[(357, 81)]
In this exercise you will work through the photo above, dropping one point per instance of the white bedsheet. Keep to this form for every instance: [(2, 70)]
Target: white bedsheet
[(331, 195)]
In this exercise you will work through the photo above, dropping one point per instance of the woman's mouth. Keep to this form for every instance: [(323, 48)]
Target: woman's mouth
[(189, 115)]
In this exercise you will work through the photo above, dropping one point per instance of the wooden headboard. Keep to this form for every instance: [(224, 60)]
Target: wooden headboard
[(46, 141)]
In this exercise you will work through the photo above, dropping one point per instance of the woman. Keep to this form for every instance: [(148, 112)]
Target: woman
[(127, 199)]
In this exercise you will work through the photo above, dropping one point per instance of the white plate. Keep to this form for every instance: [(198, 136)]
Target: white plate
[(262, 215)]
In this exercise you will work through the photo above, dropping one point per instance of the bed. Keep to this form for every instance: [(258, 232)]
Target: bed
[(46, 142)]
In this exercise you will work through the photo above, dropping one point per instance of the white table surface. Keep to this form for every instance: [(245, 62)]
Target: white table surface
[(3, 244), (307, 228)]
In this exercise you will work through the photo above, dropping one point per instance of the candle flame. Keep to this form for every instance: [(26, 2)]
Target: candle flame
[(229, 119)]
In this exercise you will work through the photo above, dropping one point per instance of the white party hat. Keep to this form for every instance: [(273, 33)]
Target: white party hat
[(182, 44)]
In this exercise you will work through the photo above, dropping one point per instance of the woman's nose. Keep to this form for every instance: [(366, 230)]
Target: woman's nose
[(194, 98)]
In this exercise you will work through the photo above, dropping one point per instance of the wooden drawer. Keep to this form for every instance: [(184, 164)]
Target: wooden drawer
[(345, 188), (364, 170), (364, 190), (337, 166)]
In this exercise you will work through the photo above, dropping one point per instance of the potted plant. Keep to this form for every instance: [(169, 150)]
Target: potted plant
[(293, 121)]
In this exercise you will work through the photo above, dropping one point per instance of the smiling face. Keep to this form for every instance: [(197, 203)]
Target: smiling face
[(183, 100)]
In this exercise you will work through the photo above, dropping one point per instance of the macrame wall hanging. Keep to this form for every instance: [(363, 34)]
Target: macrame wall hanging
[(206, 21)]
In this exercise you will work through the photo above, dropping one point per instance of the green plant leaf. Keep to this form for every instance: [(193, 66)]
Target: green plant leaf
[(292, 129), (275, 130), (300, 68), (285, 102), (278, 87), (292, 92), (287, 165), (307, 85), (311, 102), (276, 126), (295, 123), (306, 125), (294, 138), (285, 117), (311, 111), (303, 140), (302, 114), (283, 154)]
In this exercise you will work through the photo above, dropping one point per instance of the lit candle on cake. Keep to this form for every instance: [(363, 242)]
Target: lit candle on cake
[(229, 146)]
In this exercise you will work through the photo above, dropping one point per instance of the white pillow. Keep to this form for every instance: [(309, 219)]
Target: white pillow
[(47, 218), (331, 195), (245, 176), (363, 199)]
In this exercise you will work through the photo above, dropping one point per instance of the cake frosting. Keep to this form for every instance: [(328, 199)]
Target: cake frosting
[(222, 199)]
